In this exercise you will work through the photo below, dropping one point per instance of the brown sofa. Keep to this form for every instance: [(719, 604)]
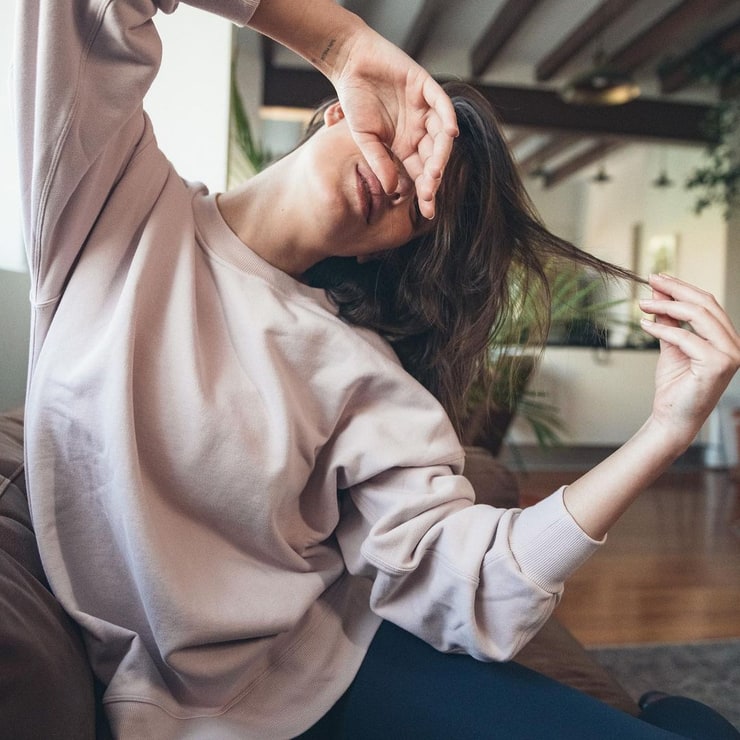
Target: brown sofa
[(46, 687)]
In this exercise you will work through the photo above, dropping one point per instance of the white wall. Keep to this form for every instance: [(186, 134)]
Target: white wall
[(559, 207), (603, 395), (189, 100)]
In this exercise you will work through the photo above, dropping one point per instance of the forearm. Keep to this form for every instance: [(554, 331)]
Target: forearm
[(694, 368), (597, 499), (320, 31)]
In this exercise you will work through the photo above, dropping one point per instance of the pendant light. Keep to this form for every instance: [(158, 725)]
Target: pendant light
[(662, 180), (600, 85), (602, 176)]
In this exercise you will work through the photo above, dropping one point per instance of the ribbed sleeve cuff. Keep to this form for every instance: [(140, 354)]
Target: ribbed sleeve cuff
[(548, 544)]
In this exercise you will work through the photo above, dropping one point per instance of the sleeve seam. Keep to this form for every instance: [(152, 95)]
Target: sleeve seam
[(390, 569), (64, 134)]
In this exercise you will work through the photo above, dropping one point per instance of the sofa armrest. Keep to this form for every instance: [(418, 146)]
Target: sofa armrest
[(556, 653), (46, 685), (493, 482), (553, 651)]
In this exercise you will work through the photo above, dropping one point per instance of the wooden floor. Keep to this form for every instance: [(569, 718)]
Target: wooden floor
[(670, 570)]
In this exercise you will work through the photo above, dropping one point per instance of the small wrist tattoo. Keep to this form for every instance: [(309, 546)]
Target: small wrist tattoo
[(326, 51)]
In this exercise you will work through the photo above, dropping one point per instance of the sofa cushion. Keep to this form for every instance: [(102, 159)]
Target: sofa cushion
[(46, 686)]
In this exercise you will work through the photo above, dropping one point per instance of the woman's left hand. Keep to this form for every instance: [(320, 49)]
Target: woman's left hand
[(696, 364), (391, 103)]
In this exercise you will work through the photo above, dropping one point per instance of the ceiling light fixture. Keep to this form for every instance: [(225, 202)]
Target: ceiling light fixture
[(602, 176), (600, 86), (662, 180)]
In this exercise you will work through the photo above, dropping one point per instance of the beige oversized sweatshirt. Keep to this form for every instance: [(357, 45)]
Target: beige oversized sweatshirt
[(230, 486)]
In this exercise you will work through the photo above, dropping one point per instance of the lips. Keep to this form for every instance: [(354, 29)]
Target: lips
[(370, 192)]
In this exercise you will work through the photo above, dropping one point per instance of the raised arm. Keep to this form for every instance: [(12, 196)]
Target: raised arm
[(700, 353), (78, 116), (81, 70), (388, 99)]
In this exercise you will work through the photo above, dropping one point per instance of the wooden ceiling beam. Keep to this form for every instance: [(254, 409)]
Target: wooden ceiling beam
[(536, 109), (593, 154), (503, 26), (518, 137), (682, 71), (421, 28), (295, 88), (584, 34), (555, 145), (641, 119), (654, 40)]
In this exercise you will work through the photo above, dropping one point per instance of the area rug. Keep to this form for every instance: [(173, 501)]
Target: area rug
[(707, 671)]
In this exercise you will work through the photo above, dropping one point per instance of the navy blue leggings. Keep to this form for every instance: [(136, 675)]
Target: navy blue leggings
[(406, 689)]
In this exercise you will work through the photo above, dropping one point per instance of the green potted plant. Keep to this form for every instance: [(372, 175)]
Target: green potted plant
[(578, 317)]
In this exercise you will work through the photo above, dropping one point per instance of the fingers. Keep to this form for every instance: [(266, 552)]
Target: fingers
[(441, 132), (424, 166), (675, 302), (438, 100), (679, 290), (671, 313), (428, 185), (707, 361), (661, 319), (380, 160)]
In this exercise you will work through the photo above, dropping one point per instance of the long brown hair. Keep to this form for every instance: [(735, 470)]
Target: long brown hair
[(442, 298)]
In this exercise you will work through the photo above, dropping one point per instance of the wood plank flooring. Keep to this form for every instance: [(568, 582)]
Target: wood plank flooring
[(670, 570)]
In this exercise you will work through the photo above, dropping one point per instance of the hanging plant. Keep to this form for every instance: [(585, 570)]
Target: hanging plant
[(717, 181)]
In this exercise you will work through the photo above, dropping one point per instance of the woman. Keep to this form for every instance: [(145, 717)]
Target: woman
[(233, 478)]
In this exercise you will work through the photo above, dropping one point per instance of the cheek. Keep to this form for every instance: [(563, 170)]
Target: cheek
[(334, 209), (325, 196), (397, 231)]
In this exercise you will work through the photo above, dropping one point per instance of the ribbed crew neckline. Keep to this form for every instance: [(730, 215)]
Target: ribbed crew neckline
[(216, 236)]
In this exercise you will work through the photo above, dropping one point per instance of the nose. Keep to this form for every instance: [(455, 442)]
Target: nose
[(405, 188)]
